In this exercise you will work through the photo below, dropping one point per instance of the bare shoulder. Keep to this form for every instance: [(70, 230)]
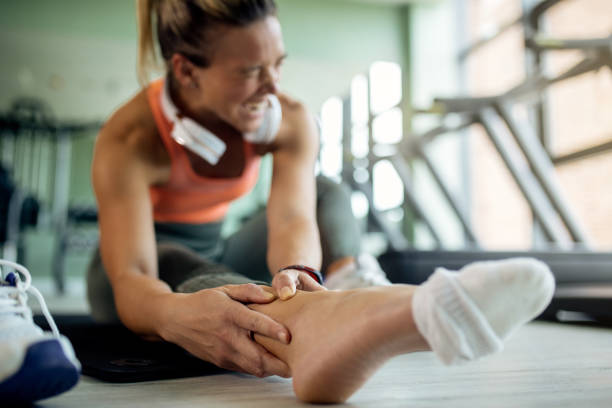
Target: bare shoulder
[(129, 123), (298, 128), (130, 135), (292, 105)]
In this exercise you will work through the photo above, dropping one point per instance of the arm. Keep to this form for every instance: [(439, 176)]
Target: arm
[(125, 166), (293, 236), (121, 175)]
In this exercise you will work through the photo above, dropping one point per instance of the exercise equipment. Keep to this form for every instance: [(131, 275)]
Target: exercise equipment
[(583, 278), (35, 152), (18, 211), (517, 144)]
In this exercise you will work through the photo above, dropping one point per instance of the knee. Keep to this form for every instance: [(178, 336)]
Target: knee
[(100, 293), (330, 189)]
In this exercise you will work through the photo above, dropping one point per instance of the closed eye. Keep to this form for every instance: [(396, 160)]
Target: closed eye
[(252, 71), (281, 60)]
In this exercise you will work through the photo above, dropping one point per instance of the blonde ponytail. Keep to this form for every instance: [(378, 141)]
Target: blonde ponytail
[(147, 58)]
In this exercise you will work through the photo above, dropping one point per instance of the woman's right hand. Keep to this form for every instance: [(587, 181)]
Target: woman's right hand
[(216, 325)]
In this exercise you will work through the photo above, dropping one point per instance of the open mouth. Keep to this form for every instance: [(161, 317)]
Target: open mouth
[(256, 107)]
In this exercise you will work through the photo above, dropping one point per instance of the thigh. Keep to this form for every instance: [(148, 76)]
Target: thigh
[(185, 271), (245, 251), (180, 267)]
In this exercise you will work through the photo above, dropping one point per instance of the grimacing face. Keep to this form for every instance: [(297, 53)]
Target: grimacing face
[(244, 70)]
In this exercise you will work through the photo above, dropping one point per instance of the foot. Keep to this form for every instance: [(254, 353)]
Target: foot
[(362, 272), (466, 315), (526, 284), (330, 358)]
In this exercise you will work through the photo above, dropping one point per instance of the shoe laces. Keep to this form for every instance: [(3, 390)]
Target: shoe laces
[(14, 296)]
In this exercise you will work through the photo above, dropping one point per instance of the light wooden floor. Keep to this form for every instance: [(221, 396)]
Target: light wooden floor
[(544, 365)]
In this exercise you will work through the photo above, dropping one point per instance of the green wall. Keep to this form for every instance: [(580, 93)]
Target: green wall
[(80, 57), (109, 19), (340, 30)]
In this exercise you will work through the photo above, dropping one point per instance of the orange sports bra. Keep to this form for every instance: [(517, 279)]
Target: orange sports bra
[(188, 197)]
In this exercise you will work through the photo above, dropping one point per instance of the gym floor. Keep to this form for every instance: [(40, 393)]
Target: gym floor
[(544, 364)]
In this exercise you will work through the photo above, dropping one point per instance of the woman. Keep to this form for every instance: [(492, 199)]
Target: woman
[(167, 164)]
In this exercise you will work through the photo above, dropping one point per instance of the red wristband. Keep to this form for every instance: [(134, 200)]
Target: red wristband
[(315, 274)]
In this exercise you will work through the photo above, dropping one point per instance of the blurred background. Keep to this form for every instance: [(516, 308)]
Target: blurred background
[(458, 124)]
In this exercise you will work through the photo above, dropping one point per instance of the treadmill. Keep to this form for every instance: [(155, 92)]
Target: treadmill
[(584, 278)]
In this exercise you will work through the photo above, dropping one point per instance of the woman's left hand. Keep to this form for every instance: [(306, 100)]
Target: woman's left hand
[(285, 283)]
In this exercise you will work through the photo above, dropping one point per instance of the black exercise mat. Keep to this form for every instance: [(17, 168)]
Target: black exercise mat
[(112, 353)]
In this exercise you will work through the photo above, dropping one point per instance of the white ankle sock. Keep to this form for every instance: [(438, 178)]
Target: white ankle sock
[(466, 315)]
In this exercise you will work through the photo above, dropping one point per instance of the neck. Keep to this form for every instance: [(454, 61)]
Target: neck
[(185, 101)]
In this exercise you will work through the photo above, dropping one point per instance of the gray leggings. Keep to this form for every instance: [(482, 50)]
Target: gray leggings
[(194, 257)]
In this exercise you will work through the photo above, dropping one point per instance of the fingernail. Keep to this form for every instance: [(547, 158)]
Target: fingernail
[(269, 296), (284, 337), (286, 293)]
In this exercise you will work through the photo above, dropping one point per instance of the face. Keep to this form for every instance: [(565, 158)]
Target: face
[(244, 70)]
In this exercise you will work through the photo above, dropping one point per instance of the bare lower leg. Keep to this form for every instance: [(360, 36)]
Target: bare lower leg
[(339, 339)]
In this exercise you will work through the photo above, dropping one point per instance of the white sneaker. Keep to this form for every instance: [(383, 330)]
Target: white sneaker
[(34, 364), (362, 273)]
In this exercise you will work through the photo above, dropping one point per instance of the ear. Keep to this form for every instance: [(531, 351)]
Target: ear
[(184, 71)]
